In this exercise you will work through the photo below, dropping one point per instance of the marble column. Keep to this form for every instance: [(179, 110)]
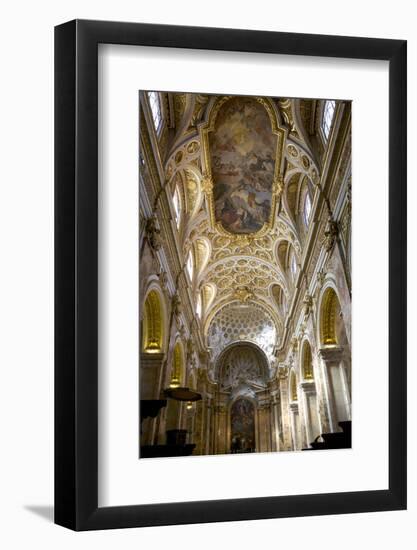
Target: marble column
[(208, 445), (220, 437), (295, 426), (335, 379), (198, 428), (264, 427), (311, 416), (149, 375), (285, 423), (275, 423)]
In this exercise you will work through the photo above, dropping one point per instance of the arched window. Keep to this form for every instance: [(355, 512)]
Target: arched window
[(152, 324), (176, 201), (328, 113), (307, 208), (155, 105), (293, 265), (177, 366), (190, 265), (279, 296), (198, 306), (307, 362)]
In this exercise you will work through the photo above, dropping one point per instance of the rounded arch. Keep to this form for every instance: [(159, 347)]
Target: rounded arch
[(233, 323), (290, 195), (278, 295), (329, 310), (208, 293), (288, 258), (243, 350), (153, 322), (306, 361)]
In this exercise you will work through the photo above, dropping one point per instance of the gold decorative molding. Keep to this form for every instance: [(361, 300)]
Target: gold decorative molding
[(153, 234), (307, 362), (176, 305), (177, 370), (331, 233), (328, 318), (308, 304), (152, 324), (243, 294)]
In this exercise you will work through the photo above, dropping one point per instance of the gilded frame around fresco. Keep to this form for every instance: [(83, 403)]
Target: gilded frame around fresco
[(277, 184), (76, 272)]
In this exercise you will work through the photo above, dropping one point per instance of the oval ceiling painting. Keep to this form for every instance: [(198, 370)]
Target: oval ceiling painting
[(242, 149)]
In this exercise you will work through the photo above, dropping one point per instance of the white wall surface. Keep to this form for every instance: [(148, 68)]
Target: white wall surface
[(26, 274)]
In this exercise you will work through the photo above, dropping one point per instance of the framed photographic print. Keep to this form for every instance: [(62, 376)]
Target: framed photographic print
[(230, 275)]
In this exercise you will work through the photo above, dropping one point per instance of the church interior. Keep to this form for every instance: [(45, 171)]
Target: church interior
[(244, 274)]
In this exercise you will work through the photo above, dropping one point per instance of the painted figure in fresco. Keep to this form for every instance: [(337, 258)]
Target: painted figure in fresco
[(243, 160), (243, 427)]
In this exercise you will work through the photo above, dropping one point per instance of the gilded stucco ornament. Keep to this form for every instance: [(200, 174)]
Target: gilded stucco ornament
[(153, 233), (294, 344), (176, 305), (207, 185), (283, 371), (190, 346), (182, 331), (331, 233), (302, 330), (315, 177), (285, 106), (163, 279), (321, 276), (243, 294), (308, 304)]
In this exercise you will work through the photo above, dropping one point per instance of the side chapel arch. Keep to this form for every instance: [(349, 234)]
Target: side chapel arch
[(153, 330), (307, 361), (328, 311), (178, 366), (335, 355)]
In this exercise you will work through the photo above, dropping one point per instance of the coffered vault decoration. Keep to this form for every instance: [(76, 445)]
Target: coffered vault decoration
[(241, 322), (245, 240)]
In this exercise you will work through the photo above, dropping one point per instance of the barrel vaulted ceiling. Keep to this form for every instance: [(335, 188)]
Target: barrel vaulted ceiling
[(242, 163)]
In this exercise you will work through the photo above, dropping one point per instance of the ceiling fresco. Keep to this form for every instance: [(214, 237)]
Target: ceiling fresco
[(242, 150)]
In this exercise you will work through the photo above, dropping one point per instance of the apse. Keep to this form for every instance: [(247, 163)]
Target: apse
[(242, 365)]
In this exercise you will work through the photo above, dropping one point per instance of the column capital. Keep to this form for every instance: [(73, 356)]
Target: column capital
[(294, 407), (150, 359), (308, 386), (331, 353)]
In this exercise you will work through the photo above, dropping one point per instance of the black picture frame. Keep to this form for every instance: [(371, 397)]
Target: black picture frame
[(76, 271)]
